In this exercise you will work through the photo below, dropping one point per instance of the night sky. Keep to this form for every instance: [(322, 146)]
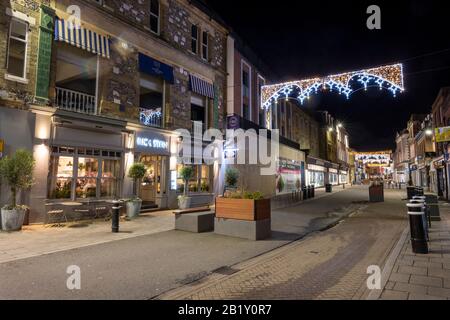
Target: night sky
[(302, 39)]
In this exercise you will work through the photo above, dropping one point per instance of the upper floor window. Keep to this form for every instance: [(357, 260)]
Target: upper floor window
[(205, 45), (194, 39), (154, 16), (245, 83), (17, 48)]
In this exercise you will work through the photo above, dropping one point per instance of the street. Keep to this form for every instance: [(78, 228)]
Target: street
[(328, 264)]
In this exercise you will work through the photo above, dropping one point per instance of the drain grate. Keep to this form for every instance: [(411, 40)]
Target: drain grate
[(226, 271)]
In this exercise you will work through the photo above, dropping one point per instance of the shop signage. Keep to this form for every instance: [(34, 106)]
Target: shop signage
[(2, 146), (152, 143), (442, 134), (288, 177)]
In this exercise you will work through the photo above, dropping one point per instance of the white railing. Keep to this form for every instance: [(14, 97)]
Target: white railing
[(151, 117), (75, 101)]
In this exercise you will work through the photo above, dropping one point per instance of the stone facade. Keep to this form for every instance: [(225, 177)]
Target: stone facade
[(12, 93)]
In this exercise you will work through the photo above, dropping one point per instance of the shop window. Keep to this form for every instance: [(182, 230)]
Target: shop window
[(17, 48), (61, 171), (110, 175), (200, 182), (154, 16), (87, 178), (90, 181)]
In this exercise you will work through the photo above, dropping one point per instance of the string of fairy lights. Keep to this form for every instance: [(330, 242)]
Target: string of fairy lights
[(388, 77)]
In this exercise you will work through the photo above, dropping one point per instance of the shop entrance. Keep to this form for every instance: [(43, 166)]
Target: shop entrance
[(150, 185)]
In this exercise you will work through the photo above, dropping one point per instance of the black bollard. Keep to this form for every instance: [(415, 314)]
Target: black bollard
[(115, 216), (418, 235), (313, 191)]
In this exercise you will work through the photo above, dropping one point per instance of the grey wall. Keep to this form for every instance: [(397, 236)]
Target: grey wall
[(17, 130)]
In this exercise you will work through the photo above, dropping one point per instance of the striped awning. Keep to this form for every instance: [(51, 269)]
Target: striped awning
[(83, 38), (201, 87)]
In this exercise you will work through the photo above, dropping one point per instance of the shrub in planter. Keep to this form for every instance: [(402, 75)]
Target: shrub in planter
[(250, 206), (186, 174), (137, 172), (17, 173)]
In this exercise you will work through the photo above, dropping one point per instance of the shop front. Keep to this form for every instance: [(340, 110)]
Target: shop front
[(317, 173), (151, 148), (343, 177), (333, 176), (81, 169)]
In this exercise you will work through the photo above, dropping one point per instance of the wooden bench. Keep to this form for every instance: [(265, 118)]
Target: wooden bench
[(191, 210)]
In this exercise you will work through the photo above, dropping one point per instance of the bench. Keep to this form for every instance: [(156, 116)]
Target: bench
[(191, 210), (196, 222)]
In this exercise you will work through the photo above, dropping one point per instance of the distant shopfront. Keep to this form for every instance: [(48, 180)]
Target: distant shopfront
[(316, 172)]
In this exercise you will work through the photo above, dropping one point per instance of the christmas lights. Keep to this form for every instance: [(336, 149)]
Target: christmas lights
[(150, 116), (388, 77)]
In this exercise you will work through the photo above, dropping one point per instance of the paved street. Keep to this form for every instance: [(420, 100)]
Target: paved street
[(327, 265), (143, 267)]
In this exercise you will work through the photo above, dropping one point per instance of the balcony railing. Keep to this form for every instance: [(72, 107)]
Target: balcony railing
[(75, 101), (151, 117)]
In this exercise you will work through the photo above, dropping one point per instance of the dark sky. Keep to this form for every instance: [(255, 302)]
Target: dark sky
[(301, 39)]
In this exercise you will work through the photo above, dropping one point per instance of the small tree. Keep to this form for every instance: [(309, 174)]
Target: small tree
[(231, 177), (186, 173), (17, 172), (137, 172)]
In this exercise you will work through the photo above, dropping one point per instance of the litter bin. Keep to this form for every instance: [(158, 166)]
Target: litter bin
[(411, 192), (313, 191), (305, 192), (419, 244), (433, 207), (309, 192), (328, 188)]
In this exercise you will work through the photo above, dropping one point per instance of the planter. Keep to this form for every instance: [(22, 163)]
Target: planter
[(243, 209), (12, 220), (184, 202), (133, 208)]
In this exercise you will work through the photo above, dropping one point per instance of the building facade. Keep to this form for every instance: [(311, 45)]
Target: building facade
[(99, 85)]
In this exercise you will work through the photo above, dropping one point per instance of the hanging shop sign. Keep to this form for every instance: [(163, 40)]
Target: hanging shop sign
[(288, 177), (152, 143), (442, 134)]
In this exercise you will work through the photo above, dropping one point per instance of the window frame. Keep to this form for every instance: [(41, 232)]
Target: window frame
[(153, 15), (205, 46), (196, 52), (76, 154), (9, 76)]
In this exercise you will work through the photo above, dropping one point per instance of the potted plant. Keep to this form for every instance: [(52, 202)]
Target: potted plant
[(137, 172), (186, 174), (17, 173), (231, 179)]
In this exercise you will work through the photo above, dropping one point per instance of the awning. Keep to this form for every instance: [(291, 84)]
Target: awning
[(155, 68), (201, 87), (83, 38)]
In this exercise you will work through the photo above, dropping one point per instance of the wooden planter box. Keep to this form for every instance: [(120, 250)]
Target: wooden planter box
[(243, 209)]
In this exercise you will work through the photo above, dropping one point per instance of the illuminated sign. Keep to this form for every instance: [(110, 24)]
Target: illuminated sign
[(2, 146), (152, 143), (442, 134)]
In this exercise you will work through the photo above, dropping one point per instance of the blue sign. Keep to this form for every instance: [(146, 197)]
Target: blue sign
[(155, 68)]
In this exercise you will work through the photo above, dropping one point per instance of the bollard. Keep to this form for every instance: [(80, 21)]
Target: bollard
[(305, 193), (313, 191), (421, 200), (418, 237), (115, 216), (411, 192), (309, 192)]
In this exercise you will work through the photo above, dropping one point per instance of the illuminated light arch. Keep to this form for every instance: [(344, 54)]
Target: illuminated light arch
[(388, 77)]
